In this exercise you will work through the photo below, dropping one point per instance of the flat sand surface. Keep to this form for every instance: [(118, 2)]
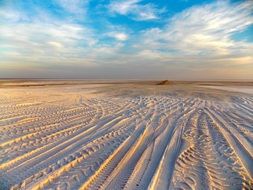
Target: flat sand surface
[(244, 89), (124, 136)]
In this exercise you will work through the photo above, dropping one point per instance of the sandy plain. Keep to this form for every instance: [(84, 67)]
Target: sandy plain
[(104, 135)]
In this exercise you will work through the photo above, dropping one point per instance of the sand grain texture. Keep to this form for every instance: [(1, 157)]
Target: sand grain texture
[(125, 137)]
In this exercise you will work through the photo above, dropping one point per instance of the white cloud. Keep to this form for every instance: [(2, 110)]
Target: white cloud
[(202, 31), (55, 44), (123, 7), (74, 6), (118, 36), (48, 42), (135, 9)]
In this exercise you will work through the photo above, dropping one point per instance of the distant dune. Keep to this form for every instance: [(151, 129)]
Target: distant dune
[(165, 82)]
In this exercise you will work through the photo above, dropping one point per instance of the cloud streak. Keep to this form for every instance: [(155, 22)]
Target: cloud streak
[(203, 32), (76, 7), (135, 9)]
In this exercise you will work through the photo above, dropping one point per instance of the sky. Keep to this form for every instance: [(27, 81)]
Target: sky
[(127, 39)]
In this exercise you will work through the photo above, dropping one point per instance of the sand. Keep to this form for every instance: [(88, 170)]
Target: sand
[(243, 89), (125, 136)]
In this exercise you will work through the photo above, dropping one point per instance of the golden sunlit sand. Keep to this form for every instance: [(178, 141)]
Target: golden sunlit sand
[(105, 135)]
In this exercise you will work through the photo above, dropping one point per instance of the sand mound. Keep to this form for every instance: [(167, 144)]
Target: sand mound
[(165, 82)]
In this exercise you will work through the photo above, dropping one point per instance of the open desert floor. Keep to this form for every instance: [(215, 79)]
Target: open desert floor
[(125, 136)]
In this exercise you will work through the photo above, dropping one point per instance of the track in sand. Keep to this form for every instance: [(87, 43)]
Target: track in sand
[(154, 141)]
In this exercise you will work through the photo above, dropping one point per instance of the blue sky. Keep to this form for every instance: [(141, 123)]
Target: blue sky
[(127, 39)]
